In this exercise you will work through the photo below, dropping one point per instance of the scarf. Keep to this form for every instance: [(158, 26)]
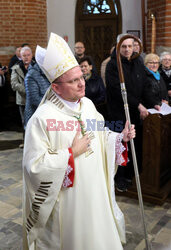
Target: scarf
[(155, 74), (87, 77)]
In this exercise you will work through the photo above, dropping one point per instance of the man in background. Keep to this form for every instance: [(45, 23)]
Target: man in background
[(18, 74), (15, 59), (135, 79), (36, 84), (80, 53)]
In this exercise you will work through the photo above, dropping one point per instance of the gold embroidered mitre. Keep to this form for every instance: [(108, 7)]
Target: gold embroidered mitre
[(58, 58)]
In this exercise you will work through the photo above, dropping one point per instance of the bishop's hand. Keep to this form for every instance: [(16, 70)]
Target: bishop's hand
[(80, 145), (128, 133)]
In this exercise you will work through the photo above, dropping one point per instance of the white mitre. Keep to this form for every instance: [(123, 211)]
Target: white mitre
[(56, 59)]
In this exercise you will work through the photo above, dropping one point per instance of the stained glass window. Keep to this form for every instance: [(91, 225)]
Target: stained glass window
[(97, 7)]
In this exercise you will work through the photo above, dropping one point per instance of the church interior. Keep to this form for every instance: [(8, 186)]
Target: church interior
[(31, 22)]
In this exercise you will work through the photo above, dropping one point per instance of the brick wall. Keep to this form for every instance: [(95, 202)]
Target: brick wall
[(162, 11), (21, 21)]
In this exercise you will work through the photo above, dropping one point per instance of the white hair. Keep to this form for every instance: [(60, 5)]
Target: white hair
[(24, 49), (163, 54)]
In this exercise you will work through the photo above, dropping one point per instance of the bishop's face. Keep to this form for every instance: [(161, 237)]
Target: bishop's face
[(71, 85)]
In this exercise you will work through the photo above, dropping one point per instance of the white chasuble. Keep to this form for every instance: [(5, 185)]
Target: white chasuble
[(82, 217)]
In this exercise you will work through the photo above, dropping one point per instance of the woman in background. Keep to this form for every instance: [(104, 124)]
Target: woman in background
[(155, 90), (94, 87)]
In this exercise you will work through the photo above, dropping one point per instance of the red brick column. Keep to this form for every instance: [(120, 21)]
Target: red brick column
[(22, 21)]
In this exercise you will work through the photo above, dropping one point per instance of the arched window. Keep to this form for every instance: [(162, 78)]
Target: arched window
[(97, 24), (96, 7)]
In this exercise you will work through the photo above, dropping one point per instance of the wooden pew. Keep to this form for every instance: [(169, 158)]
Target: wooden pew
[(155, 178)]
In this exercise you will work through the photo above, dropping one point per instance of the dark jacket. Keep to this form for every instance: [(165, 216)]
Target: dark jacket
[(134, 75), (12, 62), (167, 79), (95, 89), (36, 85), (2, 79), (155, 91)]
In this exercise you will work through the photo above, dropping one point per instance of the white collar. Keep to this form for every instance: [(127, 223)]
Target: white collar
[(72, 105)]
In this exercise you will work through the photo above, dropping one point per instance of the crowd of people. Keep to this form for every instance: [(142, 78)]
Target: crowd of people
[(50, 90), (148, 82), (21, 63), (147, 79)]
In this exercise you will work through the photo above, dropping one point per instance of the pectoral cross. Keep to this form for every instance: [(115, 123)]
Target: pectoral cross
[(84, 132)]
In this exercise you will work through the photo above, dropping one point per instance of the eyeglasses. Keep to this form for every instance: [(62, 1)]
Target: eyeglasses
[(154, 63), (165, 59), (79, 47), (74, 81)]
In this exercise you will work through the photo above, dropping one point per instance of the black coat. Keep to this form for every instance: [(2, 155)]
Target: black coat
[(95, 89), (2, 80), (12, 62), (167, 79), (134, 75), (155, 91)]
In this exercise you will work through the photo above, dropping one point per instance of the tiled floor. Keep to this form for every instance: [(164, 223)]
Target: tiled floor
[(158, 218)]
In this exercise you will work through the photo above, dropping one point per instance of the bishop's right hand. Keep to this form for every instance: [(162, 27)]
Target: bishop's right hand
[(80, 144)]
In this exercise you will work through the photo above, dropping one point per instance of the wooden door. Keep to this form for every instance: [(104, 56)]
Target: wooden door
[(97, 26)]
